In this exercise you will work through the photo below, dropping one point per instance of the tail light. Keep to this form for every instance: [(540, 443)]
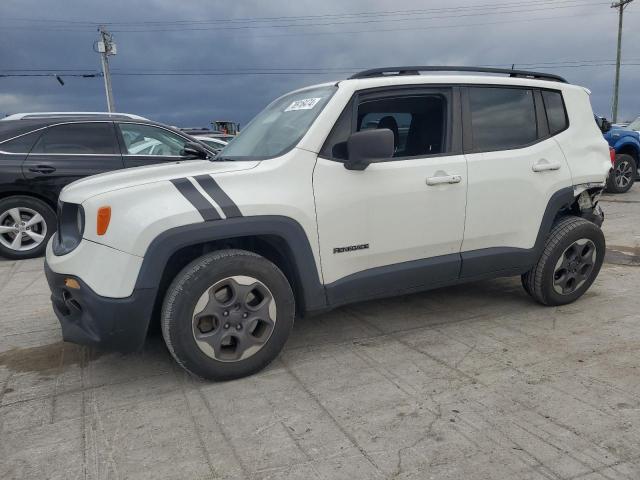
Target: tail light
[(612, 154)]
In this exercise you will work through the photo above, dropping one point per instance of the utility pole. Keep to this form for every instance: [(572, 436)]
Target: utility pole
[(620, 6), (106, 47)]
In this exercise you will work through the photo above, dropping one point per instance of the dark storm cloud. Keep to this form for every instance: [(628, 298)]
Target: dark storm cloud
[(550, 34)]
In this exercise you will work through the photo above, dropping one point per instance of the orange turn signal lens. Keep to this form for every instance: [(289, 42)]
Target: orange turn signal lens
[(71, 283), (104, 217)]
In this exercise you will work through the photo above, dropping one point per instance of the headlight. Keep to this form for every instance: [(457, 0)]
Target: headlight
[(70, 228)]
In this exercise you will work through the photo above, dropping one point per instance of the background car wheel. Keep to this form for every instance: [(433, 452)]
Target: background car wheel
[(525, 283), (570, 262), (623, 175), (26, 224), (227, 314)]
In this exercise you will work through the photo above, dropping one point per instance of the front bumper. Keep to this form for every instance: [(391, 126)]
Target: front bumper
[(595, 215), (88, 319)]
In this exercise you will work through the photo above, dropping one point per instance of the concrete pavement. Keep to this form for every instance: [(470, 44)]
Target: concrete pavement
[(469, 382)]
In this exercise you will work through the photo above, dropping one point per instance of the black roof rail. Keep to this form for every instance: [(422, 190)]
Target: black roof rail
[(415, 70)]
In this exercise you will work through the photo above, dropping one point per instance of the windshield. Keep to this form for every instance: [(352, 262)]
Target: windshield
[(280, 126), (635, 125)]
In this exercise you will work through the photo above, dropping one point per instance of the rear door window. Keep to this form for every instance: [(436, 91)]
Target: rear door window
[(556, 113), (21, 144), (78, 139), (502, 118)]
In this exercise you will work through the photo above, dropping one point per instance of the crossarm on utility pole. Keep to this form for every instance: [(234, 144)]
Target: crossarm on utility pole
[(105, 37)]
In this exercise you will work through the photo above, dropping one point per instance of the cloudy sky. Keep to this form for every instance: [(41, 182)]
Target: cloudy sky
[(191, 61)]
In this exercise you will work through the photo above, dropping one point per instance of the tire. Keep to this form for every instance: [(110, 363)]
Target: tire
[(567, 255), (213, 333), (525, 285), (18, 238), (623, 175)]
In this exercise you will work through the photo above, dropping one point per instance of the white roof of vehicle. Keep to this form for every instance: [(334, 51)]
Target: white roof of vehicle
[(445, 78), (33, 115)]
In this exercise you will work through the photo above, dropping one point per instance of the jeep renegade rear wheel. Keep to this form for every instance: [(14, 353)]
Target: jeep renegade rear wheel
[(227, 314), (570, 262)]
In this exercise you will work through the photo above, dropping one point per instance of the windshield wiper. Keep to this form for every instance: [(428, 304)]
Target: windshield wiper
[(219, 158)]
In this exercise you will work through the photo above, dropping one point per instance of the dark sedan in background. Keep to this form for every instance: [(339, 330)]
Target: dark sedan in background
[(40, 153)]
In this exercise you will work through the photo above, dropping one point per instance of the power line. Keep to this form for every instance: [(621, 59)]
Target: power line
[(586, 62), (352, 22), (303, 71), (550, 5), (492, 6), (421, 28), (83, 75)]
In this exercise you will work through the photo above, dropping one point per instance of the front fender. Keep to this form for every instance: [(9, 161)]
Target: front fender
[(626, 143), (299, 249)]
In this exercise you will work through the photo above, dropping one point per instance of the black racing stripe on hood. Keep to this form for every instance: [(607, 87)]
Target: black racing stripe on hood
[(218, 195), (191, 193)]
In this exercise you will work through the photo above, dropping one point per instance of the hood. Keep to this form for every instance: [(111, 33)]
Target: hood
[(80, 190), (617, 133)]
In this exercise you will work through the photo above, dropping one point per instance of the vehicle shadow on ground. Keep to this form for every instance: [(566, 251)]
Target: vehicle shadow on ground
[(363, 321), (345, 325)]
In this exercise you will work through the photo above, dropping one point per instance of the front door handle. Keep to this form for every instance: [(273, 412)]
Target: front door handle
[(544, 165), (442, 179), (42, 169)]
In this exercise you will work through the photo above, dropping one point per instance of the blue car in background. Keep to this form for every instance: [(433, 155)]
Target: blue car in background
[(626, 143)]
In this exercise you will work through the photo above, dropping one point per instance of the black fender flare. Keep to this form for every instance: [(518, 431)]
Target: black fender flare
[(290, 231)]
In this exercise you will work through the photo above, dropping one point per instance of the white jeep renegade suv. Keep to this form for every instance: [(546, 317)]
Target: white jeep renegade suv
[(387, 183)]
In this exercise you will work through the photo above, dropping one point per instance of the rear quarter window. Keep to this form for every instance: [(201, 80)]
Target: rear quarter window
[(556, 112), (21, 144)]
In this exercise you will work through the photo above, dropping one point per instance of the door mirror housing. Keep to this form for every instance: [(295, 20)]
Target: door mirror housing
[(603, 124), (195, 150), (369, 146)]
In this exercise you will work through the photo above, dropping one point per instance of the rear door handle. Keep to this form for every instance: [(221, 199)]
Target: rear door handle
[(442, 179), (544, 165), (42, 169)]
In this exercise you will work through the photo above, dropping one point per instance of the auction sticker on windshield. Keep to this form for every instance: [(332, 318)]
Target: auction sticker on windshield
[(304, 104)]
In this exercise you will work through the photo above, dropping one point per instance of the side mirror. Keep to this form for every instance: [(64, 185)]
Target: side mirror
[(195, 150), (603, 124), (368, 146)]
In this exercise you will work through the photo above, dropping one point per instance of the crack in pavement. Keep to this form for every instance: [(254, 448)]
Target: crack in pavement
[(335, 421), (399, 470), (245, 470), (180, 378)]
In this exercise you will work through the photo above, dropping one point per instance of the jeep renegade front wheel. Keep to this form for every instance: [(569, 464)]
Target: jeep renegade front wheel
[(570, 262), (227, 314)]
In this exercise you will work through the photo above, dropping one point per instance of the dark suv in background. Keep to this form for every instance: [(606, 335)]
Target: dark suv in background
[(41, 153)]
